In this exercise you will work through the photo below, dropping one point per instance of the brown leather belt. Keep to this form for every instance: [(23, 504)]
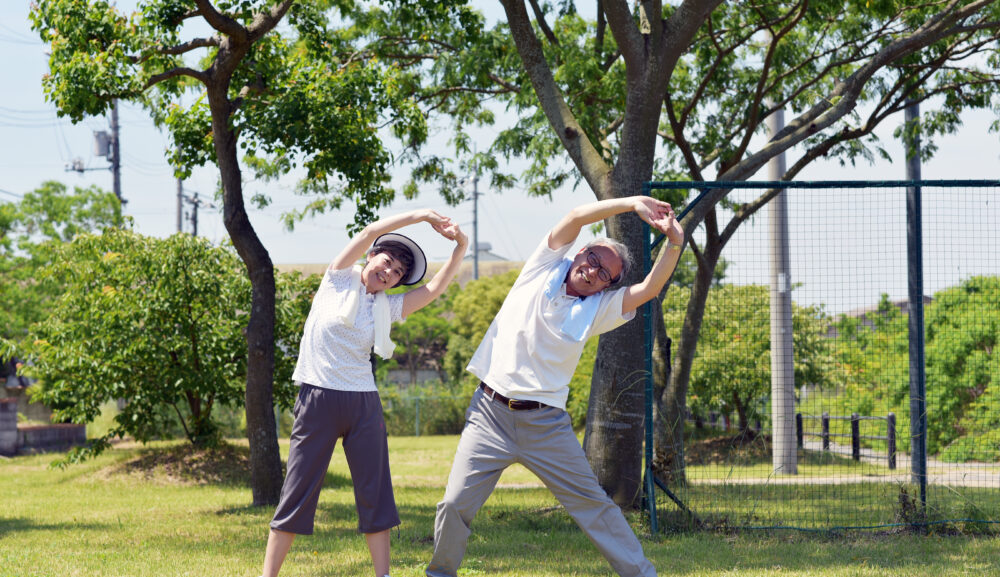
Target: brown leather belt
[(512, 404)]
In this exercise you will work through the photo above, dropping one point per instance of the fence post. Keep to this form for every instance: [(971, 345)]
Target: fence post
[(798, 429), (855, 437), (417, 417), (826, 431), (890, 435)]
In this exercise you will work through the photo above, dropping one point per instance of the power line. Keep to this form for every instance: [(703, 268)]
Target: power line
[(9, 193), (18, 37)]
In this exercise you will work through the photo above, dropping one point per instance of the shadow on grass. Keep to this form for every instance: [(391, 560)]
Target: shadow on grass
[(20, 525), (226, 465)]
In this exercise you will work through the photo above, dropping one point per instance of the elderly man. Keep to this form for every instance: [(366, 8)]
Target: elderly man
[(525, 363)]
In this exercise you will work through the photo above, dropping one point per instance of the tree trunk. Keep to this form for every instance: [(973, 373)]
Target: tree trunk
[(265, 460), (615, 415)]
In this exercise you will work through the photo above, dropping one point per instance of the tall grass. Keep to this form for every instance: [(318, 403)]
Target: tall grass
[(128, 513)]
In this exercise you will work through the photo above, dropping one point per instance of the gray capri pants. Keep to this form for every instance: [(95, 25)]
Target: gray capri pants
[(321, 417)]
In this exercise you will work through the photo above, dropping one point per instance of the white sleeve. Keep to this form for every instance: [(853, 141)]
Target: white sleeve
[(609, 314)]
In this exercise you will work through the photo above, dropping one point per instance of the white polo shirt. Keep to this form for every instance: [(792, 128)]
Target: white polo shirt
[(524, 355), (333, 355)]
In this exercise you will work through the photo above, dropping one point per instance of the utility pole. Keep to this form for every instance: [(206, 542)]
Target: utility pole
[(116, 169), (195, 202), (475, 221), (108, 146), (194, 215), (180, 205), (784, 458)]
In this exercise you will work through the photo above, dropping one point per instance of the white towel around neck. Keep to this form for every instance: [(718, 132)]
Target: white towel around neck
[(380, 312)]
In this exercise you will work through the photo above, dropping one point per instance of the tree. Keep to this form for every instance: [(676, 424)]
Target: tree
[(963, 370), (962, 331), (683, 91), (157, 322), (423, 338), (293, 98), (29, 232), (732, 370)]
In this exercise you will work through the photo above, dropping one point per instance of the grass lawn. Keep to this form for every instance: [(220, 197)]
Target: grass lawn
[(168, 512)]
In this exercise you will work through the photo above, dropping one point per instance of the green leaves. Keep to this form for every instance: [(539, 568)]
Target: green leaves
[(156, 322), (91, 47), (30, 231), (962, 330), (732, 369)]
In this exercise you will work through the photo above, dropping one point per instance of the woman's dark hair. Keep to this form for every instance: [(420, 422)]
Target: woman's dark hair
[(396, 250)]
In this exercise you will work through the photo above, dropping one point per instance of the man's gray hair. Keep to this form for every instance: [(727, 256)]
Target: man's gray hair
[(623, 254)]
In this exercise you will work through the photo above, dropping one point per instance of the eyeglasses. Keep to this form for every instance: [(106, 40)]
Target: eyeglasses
[(602, 273)]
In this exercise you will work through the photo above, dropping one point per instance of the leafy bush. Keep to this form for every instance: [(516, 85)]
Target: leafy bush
[(159, 323), (438, 407)]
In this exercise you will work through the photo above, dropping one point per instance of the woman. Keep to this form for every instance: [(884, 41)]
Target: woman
[(337, 398)]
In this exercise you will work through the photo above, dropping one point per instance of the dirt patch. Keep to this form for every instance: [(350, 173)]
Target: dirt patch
[(186, 464), (744, 449)]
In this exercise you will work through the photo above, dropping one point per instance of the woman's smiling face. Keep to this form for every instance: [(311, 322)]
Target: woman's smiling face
[(382, 272)]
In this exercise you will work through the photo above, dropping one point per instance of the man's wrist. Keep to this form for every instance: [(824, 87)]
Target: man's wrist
[(671, 245)]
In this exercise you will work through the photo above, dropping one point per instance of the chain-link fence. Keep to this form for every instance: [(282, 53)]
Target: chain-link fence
[(845, 452)]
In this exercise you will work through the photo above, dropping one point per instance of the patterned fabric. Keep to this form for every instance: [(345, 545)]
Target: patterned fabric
[(335, 355)]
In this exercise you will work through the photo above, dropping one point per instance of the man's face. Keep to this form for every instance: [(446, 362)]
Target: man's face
[(593, 270)]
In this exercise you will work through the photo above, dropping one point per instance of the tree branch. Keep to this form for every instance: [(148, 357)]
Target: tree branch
[(175, 72), (843, 97), (217, 20), (753, 116), (584, 155), (682, 27), (542, 24), (264, 22), (628, 38), (190, 45)]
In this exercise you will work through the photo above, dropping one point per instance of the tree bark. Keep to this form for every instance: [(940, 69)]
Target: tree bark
[(616, 413), (265, 460)]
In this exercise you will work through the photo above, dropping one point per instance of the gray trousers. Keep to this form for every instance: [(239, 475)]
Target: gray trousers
[(543, 441)]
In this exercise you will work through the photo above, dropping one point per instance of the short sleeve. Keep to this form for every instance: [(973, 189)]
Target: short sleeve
[(396, 307), (609, 314)]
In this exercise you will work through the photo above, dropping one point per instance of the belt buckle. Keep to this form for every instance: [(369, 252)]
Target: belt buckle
[(510, 404)]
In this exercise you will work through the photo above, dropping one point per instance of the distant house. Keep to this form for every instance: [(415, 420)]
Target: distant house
[(490, 264)]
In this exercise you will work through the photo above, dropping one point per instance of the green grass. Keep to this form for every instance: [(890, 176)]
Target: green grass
[(109, 518)]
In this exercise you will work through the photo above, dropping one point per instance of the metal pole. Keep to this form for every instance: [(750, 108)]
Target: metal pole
[(475, 222), (890, 436), (915, 277), (647, 315), (855, 437), (194, 215), (116, 168), (784, 457), (180, 205)]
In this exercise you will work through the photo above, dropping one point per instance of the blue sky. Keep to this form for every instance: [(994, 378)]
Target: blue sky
[(36, 145)]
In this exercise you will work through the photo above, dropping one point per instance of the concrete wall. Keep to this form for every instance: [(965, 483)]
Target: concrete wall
[(29, 439), (50, 437), (32, 411), (8, 426)]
